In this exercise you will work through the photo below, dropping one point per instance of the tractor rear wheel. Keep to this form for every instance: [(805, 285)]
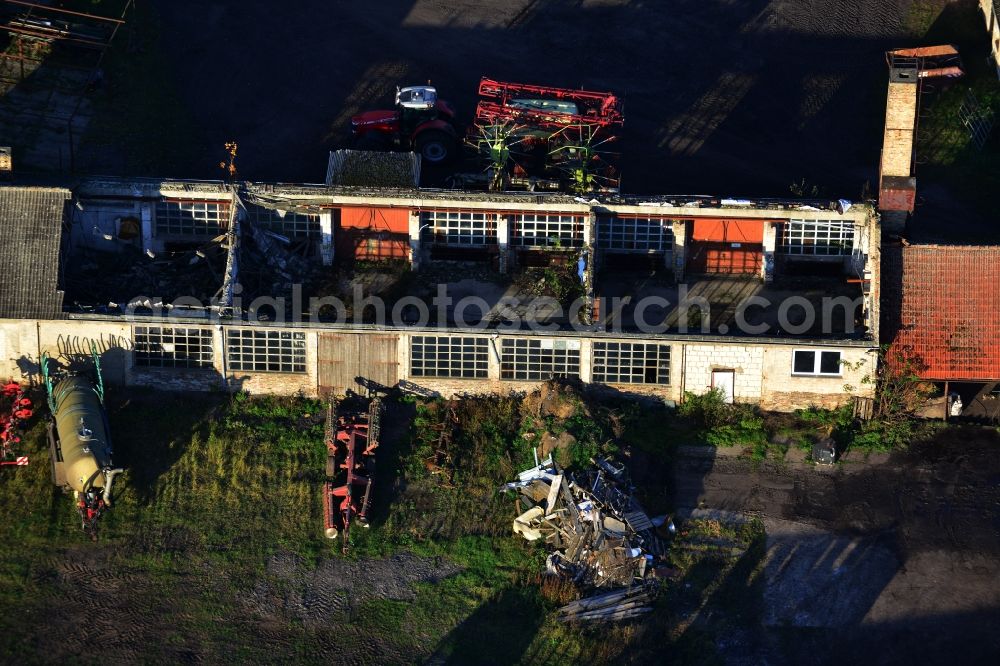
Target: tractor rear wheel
[(435, 146)]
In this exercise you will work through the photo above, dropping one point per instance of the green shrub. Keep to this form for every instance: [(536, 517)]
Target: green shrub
[(706, 410)]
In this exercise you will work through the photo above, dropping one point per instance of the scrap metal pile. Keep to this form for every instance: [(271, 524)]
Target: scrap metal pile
[(598, 534)]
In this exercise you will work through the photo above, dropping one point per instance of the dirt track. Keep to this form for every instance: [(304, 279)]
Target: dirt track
[(880, 563), (734, 98)]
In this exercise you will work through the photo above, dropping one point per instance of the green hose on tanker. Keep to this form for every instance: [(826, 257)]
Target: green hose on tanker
[(82, 443)]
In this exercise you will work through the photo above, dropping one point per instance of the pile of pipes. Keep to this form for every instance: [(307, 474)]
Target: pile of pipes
[(609, 606), (598, 534)]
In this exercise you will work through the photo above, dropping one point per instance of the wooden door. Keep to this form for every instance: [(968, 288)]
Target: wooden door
[(356, 362)]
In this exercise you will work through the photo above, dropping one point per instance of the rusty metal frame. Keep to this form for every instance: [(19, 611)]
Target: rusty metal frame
[(351, 442)]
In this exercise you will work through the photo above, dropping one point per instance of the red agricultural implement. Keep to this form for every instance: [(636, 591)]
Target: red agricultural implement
[(15, 411), (543, 106), (351, 440), (539, 137)]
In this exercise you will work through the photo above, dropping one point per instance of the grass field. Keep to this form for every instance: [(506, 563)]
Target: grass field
[(214, 549), (219, 492)]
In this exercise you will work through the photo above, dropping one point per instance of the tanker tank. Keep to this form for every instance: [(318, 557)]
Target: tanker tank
[(83, 438), (80, 440)]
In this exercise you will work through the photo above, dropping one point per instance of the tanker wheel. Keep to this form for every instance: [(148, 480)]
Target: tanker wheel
[(435, 146)]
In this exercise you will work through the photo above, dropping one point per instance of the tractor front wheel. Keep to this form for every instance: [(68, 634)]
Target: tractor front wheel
[(435, 146)]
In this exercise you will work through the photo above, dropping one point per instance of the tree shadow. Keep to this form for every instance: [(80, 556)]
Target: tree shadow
[(498, 632)]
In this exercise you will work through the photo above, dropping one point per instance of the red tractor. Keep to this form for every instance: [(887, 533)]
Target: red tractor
[(420, 122)]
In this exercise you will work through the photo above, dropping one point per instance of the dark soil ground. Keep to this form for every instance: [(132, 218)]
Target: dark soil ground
[(890, 561), (739, 98)]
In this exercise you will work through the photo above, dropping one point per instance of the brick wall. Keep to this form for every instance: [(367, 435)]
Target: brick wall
[(745, 360)]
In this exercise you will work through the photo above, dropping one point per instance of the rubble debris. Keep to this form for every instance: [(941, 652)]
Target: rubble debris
[(140, 278), (599, 535)]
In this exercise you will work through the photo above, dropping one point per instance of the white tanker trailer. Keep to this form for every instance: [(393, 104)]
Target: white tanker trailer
[(80, 442)]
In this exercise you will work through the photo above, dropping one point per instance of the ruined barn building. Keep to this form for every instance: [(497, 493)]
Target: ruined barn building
[(206, 285), (126, 242)]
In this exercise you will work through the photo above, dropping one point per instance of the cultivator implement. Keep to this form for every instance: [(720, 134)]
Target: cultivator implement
[(351, 440), (542, 138), (17, 410)]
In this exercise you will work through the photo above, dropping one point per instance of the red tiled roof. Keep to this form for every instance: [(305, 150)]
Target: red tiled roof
[(943, 302)]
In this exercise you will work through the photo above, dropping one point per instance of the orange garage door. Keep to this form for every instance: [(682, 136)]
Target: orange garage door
[(732, 258), (721, 245)]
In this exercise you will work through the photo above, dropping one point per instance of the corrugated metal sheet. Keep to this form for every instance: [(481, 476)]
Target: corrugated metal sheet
[(30, 229), (347, 360), (943, 303)]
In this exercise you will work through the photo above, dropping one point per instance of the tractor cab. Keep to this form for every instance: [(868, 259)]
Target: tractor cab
[(416, 105), (416, 97)]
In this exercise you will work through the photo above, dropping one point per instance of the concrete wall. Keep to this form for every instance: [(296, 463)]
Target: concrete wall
[(781, 391), (762, 369)]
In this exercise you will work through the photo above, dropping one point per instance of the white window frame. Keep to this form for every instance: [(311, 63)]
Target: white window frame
[(817, 363), (460, 227), (635, 233), (538, 359), (626, 362), (288, 222), (546, 230), (444, 356), (263, 350), (817, 238), (173, 347), (191, 217)]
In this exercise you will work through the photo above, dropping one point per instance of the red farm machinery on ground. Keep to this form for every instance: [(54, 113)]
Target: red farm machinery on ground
[(351, 440), (524, 136), (16, 410), (543, 138)]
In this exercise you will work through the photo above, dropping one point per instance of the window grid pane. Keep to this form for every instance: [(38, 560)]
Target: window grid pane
[(631, 363), (191, 218), (539, 359), (817, 237), (289, 223), (159, 347), (266, 351), (531, 230), (449, 356), (640, 234), (455, 227)]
